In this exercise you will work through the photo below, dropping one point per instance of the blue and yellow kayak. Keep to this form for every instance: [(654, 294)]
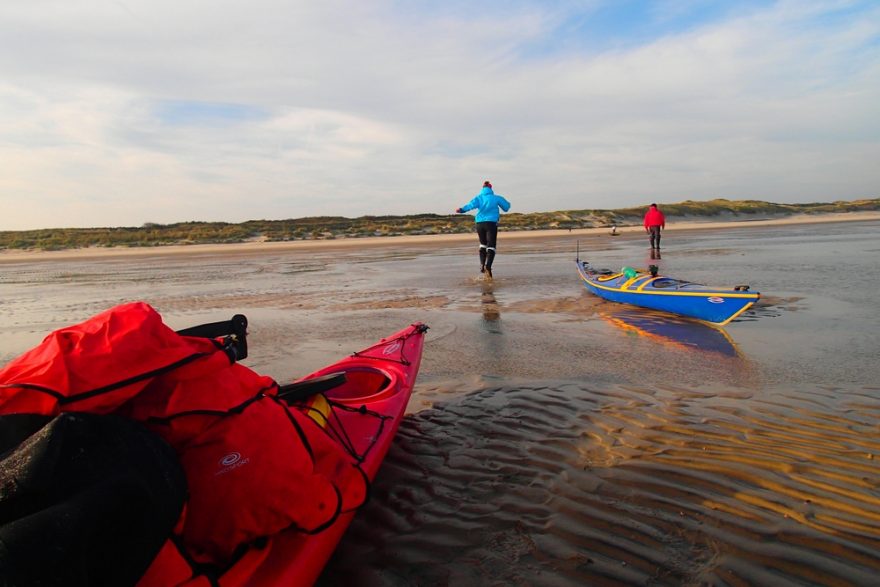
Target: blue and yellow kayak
[(649, 290)]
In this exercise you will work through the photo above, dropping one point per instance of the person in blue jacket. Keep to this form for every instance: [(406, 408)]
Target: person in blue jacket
[(487, 204)]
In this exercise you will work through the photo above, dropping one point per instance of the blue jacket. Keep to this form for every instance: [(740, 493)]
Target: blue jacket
[(487, 203)]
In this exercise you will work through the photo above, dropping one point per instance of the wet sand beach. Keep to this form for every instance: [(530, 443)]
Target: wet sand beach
[(553, 438)]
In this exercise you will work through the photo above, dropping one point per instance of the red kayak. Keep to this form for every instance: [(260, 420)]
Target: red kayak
[(219, 475), (379, 379)]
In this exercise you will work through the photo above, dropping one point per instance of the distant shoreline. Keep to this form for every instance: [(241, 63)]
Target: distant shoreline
[(673, 225)]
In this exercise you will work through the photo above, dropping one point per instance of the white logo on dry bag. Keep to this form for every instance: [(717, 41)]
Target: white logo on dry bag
[(231, 462), (230, 459)]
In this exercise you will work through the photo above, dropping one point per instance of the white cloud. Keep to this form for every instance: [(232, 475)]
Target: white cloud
[(129, 112)]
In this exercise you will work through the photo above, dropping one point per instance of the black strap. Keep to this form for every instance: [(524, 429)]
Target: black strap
[(235, 331)]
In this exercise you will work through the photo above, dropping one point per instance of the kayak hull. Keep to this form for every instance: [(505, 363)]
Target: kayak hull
[(710, 304)]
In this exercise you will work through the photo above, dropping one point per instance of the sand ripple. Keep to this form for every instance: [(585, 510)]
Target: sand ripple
[(566, 485)]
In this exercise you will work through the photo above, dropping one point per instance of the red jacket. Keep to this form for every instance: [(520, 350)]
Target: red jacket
[(654, 217)]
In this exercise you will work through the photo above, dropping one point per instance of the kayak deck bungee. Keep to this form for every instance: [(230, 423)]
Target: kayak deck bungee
[(647, 289), (377, 381)]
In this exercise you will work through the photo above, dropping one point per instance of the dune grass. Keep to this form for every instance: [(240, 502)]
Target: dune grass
[(332, 227)]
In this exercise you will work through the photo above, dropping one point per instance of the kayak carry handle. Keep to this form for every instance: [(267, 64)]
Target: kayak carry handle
[(300, 390)]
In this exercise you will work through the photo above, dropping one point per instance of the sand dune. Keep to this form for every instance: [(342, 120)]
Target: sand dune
[(413, 240)]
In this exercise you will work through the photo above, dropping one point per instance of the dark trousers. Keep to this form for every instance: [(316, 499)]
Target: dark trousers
[(655, 236), (488, 235)]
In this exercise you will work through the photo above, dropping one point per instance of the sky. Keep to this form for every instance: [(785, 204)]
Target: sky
[(126, 112)]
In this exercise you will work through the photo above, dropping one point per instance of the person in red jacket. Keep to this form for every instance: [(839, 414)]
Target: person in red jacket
[(654, 222)]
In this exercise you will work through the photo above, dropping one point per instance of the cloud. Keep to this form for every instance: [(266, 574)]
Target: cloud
[(130, 112)]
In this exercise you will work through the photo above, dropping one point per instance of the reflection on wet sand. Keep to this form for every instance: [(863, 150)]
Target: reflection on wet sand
[(669, 329), (565, 485), (491, 310)]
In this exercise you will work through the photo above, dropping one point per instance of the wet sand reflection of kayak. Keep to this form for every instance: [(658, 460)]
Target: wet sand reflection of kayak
[(667, 329)]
